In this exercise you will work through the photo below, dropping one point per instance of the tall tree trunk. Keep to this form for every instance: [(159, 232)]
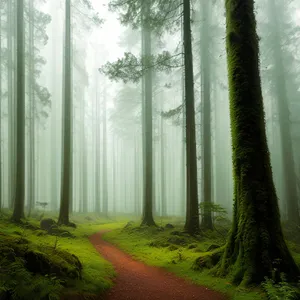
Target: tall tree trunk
[(1, 165), (11, 104), (97, 163), (66, 184), (18, 212), (192, 210), (104, 166), (84, 154), (31, 79), (256, 239), (206, 222), (162, 167), (288, 164), (148, 144), (54, 121)]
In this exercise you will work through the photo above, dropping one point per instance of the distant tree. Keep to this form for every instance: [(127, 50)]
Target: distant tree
[(18, 212), (205, 65), (67, 160), (165, 16), (279, 55), (256, 240)]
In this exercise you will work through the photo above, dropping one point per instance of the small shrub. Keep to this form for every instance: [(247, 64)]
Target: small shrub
[(281, 290)]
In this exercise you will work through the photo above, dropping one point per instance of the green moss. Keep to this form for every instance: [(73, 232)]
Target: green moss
[(256, 240), (180, 261), (75, 265)]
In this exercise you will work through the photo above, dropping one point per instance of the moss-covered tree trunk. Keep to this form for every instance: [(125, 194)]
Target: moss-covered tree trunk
[(18, 212), (192, 211), (256, 241)]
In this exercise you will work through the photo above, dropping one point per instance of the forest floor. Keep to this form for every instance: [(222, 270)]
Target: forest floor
[(37, 264), (137, 281), (175, 252)]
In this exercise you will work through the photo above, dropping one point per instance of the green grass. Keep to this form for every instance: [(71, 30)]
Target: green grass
[(97, 273), (177, 259)]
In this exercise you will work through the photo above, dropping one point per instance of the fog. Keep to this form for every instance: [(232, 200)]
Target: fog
[(123, 149)]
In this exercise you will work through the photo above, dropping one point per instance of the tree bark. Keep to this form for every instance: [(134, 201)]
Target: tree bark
[(66, 184), (148, 143), (192, 210), (206, 222), (18, 212), (104, 166), (255, 245)]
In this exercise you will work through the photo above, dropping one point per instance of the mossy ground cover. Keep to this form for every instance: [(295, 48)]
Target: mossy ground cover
[(176, 252), (55, 273)]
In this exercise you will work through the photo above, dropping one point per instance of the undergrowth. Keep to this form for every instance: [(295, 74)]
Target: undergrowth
[(21, 280), (281, 290), (177, 252)]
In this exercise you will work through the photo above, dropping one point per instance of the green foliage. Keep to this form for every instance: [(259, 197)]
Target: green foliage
[(281, 290), (131, 68), (17, 241), (212, 208), (18, 282), (178, 259)]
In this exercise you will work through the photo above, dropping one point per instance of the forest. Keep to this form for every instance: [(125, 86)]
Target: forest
[(148, 149)]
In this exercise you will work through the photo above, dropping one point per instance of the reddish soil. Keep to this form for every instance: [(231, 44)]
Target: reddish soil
[(137, 281)]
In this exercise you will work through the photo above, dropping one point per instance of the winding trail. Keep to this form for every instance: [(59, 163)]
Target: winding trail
[(137, 281)]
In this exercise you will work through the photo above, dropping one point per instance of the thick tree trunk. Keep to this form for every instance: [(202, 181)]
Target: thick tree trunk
[(148, 164), (192, 210), (206, 222), (18, 212), (256, 240), (66, 183)]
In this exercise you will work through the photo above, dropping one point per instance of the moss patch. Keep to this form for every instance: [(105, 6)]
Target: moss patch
[(41, 265), (178, 259)]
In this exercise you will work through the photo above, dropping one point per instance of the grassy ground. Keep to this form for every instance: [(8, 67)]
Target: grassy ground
[(96, 273), (177, 253), (174, 252)]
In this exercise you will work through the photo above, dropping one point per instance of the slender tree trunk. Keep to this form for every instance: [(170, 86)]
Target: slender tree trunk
[(162, 167), (11, 105), (105, 192), (66, 183), (192, 214), (148, 144), (18, 212), (54, 122), (84, 155), (31, 79), (97, 163), (206, 222), (1, 165), (256, 239), (114, 184)]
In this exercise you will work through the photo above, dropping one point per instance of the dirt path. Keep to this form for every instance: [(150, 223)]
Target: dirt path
[(137, 281)]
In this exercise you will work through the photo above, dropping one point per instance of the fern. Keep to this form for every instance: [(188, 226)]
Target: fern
[(21, 284), (281, 290)]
